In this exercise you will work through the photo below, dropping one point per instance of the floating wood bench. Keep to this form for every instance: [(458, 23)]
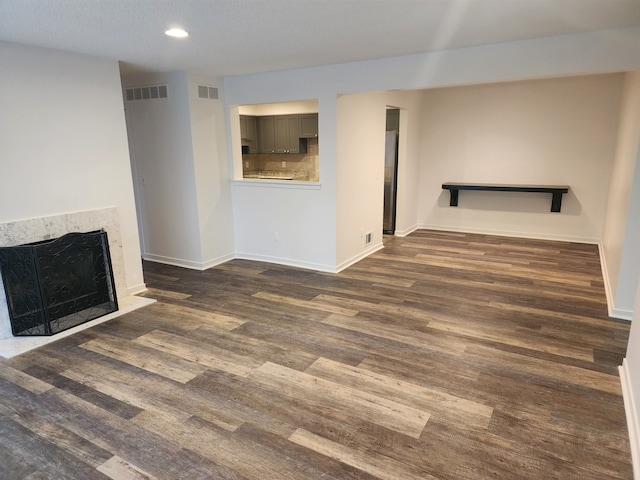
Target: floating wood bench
[(555, 190)]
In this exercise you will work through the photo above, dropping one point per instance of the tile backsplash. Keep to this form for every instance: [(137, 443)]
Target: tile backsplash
[(300, 166)]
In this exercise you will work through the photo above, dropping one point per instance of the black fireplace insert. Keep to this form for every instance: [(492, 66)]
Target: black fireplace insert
[(54, 285)]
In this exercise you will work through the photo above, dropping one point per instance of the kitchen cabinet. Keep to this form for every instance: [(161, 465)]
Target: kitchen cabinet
[(249, 132), (308, 125), (287, 136), (279, 134), (266, 135)]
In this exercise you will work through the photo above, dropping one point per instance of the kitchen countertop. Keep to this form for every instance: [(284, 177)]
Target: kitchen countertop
[(275, 175), (268, 177)]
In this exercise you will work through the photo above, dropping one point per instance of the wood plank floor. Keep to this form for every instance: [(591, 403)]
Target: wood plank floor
[(443, 356)]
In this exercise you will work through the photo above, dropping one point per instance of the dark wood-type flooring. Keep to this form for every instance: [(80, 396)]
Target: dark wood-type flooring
[(443, 356)]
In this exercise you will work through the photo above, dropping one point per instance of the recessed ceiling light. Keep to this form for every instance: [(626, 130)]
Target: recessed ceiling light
[(176, 32)]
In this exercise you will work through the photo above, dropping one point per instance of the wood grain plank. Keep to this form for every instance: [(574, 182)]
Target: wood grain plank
[(166, 365), (457, 410), (148, 394), (277, 350), (226, 450), (544, 368), (154, 453), (34, 385), (43, 454), (106, 402), (193, 351), (118, 469), (166, 294), (51, 433), (393, 415), (315, 305), (389, 330), (507, 336), (14, 464), (378, 465)]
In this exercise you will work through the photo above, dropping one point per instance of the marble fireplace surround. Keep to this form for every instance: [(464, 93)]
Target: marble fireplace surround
[(46, 228)]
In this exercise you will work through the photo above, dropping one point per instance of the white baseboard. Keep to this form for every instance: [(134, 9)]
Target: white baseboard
[(406, 231), (218, 261), (286, 261), (262, 258), (613, 312), (621, 314), (508, 233), (360, 256), (632, 417), (178, 262), (311, 266)]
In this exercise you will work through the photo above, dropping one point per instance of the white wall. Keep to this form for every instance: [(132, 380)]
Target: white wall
[(621, 263), (258, 212), (360, 140), (551, 132), (288, 223), (630, 379), (630, 264), (162, 156), (182, 176), (63, 142), (211, 169)]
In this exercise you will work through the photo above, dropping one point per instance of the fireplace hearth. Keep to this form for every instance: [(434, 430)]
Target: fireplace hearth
[(55, 285)]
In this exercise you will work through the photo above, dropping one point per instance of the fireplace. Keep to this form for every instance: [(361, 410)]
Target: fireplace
[(54, 285)]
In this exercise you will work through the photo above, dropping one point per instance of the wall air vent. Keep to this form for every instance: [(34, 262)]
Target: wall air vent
[(367, 238), (207, 92), (146, 93)]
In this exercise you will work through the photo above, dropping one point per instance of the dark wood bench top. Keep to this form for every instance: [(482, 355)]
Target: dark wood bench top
[(555, 190), (506, 188)]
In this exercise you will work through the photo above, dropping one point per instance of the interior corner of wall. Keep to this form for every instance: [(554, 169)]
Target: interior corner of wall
[(608, 291)]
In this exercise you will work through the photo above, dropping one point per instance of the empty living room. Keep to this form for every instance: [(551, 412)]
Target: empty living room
[(289, 239)]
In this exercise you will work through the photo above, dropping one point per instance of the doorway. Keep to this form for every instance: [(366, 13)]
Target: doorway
[(391, 170)]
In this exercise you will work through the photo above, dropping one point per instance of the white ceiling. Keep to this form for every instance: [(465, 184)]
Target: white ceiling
[(230, 37)]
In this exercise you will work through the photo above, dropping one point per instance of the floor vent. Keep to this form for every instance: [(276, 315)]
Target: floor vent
[(146, 93), (207, 92)]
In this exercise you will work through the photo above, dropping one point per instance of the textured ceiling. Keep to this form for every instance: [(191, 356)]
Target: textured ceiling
[(230, 37)]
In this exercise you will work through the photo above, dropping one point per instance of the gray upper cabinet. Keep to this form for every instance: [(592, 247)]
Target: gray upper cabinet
[(308, 125), (278, 134), (266, 135), (287, 136), (249, 132)]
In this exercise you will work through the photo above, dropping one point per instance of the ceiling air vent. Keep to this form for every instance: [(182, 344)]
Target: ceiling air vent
[(146, 93), (207, 92)]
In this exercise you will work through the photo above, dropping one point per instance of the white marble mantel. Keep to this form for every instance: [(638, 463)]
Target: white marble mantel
[(46, 228)]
